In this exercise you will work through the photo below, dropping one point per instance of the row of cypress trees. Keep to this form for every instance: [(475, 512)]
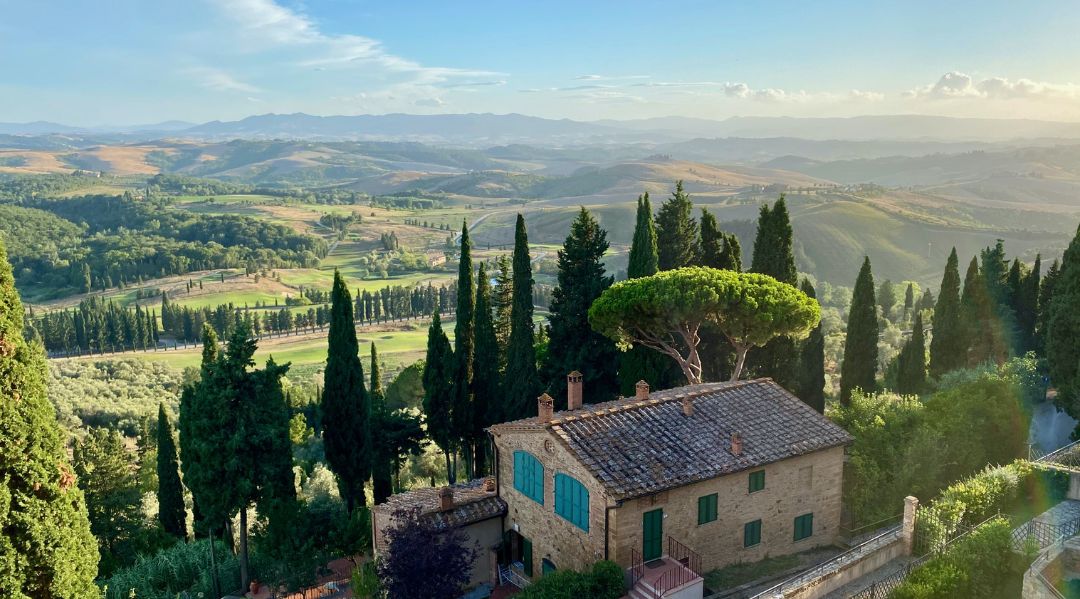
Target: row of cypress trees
[(1001, 309)]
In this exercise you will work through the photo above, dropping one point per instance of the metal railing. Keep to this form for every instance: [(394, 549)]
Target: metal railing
[(671, 580), (1044, 534), (851, 555), (637, 566), (850, 533), (684, 555)]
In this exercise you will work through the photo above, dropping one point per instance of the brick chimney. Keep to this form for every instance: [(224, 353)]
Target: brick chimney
[(446, 499), (687, 405), (736, 444), (573, 391), (545, 406), (641, 390)]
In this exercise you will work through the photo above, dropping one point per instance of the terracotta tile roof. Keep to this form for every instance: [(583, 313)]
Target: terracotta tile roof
[(472, 503), (639, 447)]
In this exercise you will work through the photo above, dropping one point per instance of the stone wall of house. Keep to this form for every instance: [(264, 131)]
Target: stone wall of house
[(553, 537), (810, 483)]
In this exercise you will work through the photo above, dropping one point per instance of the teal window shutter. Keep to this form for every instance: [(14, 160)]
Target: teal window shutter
[(529, 476), (572, 500)]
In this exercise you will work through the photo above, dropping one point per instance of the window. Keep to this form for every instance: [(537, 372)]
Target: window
[(546, 567), (757, 481), (804, 526), (529, 476), (572, 501), (751, 534), (706, 509)]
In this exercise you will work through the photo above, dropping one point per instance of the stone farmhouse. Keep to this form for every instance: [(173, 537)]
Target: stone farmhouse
[(668, 484)]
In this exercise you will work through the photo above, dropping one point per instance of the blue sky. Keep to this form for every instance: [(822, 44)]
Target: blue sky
[(134, 61)]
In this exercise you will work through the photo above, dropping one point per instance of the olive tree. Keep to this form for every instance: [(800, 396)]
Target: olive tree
[(666, 311)]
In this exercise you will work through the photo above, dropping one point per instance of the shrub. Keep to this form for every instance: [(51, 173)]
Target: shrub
[(982, 564), (603, 581)]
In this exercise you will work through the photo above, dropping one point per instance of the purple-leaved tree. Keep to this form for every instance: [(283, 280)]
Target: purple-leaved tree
[(424, 560)]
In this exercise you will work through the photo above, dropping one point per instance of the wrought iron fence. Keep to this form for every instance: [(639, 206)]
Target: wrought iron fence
[(1044, 534)]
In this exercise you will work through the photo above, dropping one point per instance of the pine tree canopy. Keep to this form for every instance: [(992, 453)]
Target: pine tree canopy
[(1062, 349), (666, 312)]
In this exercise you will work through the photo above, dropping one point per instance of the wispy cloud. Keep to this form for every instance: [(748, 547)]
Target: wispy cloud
[(609, 77), (266, 25), (217, 79), (956, 85)]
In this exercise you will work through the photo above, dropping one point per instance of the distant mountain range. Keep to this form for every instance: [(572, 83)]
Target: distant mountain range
[(485, 130)]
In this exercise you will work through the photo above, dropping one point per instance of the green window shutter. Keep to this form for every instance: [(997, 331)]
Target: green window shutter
[(752, 533), (757, 481), (526, 556), (706, 509), (804, 526)]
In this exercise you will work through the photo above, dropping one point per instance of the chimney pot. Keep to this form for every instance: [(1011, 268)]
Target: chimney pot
[(687, 405), (573, 391), (545, 407), (489, 484), (641, 390), (446, 499), (736, 444)]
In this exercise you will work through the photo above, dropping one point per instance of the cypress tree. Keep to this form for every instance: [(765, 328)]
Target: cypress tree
[(641, 363), (170, 492), (1027, 306), (911, 365), (981, 322), (522, 380), (1046, 296), (909, 300), (503, 299), (643, 253), (487, 380), (731, 258), (46, 547), (345, 402), (712, 241), (1062, 350), (774, 256), (774, 253), (810, 376), (676, 231), (462, 411), (573, 345), (382, 484), (859, 368), (438, 391), (102, 465), (948, 345)]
